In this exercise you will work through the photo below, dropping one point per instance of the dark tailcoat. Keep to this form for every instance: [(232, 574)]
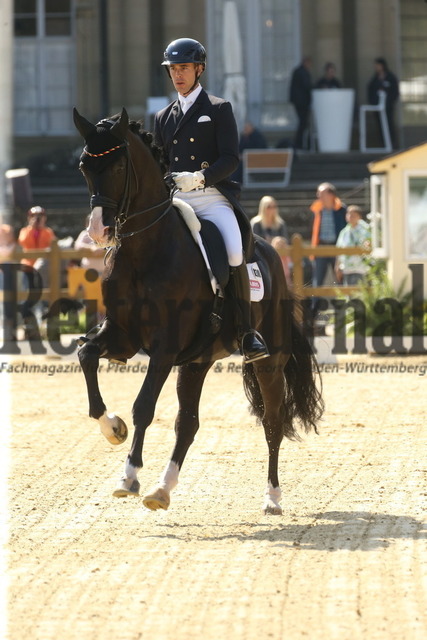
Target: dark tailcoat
[(205, 139)]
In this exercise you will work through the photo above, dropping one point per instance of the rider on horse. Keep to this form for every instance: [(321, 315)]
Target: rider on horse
[(199, 134)]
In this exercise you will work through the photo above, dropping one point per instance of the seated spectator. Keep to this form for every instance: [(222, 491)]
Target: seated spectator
[(250, 138), (269, 225), (329, 79), (357, 233)]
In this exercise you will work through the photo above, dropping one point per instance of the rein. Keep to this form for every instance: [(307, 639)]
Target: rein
[(119, 236)]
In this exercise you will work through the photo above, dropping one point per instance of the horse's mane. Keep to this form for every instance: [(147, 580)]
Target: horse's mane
[(158, 153)]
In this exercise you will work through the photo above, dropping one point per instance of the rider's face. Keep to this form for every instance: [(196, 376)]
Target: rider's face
[(183, 76)]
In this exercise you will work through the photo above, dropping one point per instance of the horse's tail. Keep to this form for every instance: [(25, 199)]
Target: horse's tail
[(303, 402)]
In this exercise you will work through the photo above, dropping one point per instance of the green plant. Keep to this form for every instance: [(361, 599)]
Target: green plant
[(377, 309)]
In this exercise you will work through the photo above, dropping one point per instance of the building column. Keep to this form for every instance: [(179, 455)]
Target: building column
[(6, 97)]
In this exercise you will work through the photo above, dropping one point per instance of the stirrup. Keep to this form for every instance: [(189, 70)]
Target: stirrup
[(257, 350)]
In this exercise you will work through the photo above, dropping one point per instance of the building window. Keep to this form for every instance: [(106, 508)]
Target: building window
[(416, 224), (44, 66), (378, 217)]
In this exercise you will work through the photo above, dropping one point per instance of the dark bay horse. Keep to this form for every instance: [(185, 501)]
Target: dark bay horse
[(159, 298)]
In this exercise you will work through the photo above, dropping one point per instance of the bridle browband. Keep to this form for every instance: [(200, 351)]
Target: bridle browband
[(104, 153), (97, 200)]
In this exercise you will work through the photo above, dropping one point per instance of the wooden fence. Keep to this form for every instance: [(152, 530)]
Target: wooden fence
[(296, 250)]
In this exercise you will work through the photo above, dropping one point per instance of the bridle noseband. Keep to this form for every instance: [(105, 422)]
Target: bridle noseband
[(123, 216)]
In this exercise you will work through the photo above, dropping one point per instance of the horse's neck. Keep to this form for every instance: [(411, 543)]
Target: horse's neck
[(153, 235)]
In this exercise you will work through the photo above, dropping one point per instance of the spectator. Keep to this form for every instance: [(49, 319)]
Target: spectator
[(357, 233), (384, 80), (269, 225), (329, 79), (250, 138), (36, 235), (300, 97), (329, 219)]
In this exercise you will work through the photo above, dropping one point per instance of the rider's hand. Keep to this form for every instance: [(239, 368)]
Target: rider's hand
[(187, 181)]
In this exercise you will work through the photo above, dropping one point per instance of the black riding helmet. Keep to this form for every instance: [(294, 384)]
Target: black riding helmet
[(184, 50)]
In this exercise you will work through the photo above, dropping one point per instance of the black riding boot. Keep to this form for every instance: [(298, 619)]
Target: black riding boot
[(251, 343)]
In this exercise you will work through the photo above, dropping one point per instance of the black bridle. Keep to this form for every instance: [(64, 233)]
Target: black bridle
[(123, 206)]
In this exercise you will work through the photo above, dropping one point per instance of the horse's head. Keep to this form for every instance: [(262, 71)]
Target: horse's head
[(104, 164)]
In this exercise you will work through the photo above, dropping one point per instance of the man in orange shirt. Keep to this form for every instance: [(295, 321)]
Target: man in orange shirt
[(329, 220), (36, 235)]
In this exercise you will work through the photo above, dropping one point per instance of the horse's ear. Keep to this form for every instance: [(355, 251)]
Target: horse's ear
[(83, 126), (120, 128)]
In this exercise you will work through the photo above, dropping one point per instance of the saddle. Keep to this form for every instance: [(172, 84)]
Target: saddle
[(211, 244)]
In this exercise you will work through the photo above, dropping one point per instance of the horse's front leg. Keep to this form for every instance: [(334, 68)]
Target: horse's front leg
[(143, 413), (189, 388), (112, 427)]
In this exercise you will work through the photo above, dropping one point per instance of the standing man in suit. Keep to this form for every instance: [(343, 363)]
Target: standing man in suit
[(199, 135), (300, 97)]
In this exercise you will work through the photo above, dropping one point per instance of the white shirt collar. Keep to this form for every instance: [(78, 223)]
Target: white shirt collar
[(187, 101)]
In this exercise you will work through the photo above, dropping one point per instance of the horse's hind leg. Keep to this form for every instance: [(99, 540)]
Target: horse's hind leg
[(271, 387), (189, 388)]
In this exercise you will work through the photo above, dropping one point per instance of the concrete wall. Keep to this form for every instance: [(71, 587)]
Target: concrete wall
[(376, 35), (129, 55), (87, 59)]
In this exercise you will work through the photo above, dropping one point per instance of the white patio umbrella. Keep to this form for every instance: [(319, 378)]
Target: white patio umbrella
[(234, 80)]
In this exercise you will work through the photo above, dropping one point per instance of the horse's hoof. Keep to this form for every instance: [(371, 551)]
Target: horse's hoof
[(113, 428), (272, 510), (127, 487), (158, 499)]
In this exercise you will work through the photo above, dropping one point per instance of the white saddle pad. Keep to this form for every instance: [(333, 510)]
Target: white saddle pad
[(193, 223)]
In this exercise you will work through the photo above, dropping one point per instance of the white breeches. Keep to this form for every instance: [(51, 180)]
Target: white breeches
[(210, 204)]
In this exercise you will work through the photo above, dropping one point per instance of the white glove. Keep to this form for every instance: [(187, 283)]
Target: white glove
[(187, 181)]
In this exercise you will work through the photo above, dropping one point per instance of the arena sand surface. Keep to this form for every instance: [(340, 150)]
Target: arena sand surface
[(347, 560)]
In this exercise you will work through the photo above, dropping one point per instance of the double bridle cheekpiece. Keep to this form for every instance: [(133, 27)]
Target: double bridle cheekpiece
[(123, 216)]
